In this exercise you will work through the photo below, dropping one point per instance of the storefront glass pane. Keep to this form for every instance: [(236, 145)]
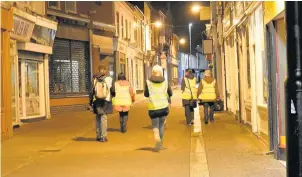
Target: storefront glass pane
[(44, 36), (32, 88), (20, 90), (13, 76)]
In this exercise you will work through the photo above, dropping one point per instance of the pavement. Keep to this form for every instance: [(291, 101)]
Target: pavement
[(65, 146)]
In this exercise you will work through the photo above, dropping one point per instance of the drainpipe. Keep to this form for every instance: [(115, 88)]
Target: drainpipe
[(293, 14)]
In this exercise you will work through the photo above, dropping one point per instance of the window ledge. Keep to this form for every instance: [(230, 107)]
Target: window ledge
[(60, 96)]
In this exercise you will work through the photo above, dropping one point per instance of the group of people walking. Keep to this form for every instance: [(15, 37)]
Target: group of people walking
[(207, 94), (106, 95)]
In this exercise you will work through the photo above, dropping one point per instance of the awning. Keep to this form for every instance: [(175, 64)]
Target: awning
[(28, 46), (104, 26), (104, 43)]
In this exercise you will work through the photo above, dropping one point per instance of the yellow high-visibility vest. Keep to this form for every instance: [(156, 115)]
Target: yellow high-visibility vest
[(186, 94), (208, 91), (122, 95), (158, 97)]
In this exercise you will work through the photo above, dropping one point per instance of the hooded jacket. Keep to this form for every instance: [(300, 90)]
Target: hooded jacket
[(161, 112)]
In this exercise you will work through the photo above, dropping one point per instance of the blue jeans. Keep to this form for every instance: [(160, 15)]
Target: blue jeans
[(101, 125), (208, 114), (158, 125)]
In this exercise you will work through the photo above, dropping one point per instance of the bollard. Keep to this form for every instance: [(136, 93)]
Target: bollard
[(294, 89)]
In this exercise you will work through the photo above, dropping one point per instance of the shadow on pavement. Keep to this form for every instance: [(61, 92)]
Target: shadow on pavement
[(83, 139), (147, 149), (148, 127), (113, 130), (182, 122)]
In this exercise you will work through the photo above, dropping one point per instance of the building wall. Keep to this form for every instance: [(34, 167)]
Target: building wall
[(6, 85), (244, 48)]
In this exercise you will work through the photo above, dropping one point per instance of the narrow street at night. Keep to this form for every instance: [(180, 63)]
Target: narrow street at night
[(70, 149), (151, 89)]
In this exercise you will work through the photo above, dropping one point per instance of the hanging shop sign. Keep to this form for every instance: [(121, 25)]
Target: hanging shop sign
[(207, 47), (140, 55), (23, 29), (209, 57), (122, 48)]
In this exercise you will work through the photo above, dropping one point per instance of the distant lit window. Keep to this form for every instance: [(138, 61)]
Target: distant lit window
[(71, 6), (54, 4)]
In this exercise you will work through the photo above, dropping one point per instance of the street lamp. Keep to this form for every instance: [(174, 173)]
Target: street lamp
[(158, 24), (182, 41), (190, 25), (195, 8)]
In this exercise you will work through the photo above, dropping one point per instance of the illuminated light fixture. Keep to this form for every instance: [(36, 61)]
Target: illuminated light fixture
[(196, 8), (158, 24), (182, 41), (236, 21), (190, 24), (134, 24)]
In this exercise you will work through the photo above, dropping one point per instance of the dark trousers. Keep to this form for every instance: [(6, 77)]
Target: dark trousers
[(123, 121), (189, 112), (208, 114)]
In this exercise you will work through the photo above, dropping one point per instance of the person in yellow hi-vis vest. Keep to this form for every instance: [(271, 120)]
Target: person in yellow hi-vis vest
[(123, 98), (189, 95), (158, 91), (208, 94)]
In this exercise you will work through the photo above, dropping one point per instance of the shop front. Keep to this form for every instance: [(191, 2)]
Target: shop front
[(5, 73), (140, 71), (174, 72), (276, 66), (103, 53), (121, 60), (70, 69), (132, 66), (29, 50)]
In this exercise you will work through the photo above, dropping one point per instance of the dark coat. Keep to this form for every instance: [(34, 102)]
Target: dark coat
[(183, 86), (100, 106), (161, 112)]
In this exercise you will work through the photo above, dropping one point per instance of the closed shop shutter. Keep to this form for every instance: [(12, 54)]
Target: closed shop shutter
[(69, 67)]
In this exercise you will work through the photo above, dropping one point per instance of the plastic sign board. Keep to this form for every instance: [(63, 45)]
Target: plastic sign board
[(207, 46), (205, 13)]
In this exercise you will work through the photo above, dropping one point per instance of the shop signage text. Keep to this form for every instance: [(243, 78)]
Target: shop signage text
[(23, 29)]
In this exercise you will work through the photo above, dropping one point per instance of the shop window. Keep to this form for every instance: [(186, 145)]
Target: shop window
[(69, 68), (99, 3), (122, 27), (126, 28), (130, 30), (142, 36), (248, 61), (118, 23), (42, 35), (71, 6), (137, 78), (135, 30), (54, 5)]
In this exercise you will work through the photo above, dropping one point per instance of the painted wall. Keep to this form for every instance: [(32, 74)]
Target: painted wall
[(272, 9)]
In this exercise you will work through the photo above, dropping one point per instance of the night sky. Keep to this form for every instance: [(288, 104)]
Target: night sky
[(182, 16)]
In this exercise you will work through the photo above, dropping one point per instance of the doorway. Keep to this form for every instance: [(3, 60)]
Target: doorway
[(31, 87)]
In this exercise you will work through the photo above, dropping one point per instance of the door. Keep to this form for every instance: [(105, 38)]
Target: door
[(31, 88), (14, 79), (272, 91), (239, 57)]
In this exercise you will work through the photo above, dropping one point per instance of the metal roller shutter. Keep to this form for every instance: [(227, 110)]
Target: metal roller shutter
[(69, 67)]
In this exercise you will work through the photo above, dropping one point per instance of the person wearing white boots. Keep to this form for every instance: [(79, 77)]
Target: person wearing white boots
[(158, 91)]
